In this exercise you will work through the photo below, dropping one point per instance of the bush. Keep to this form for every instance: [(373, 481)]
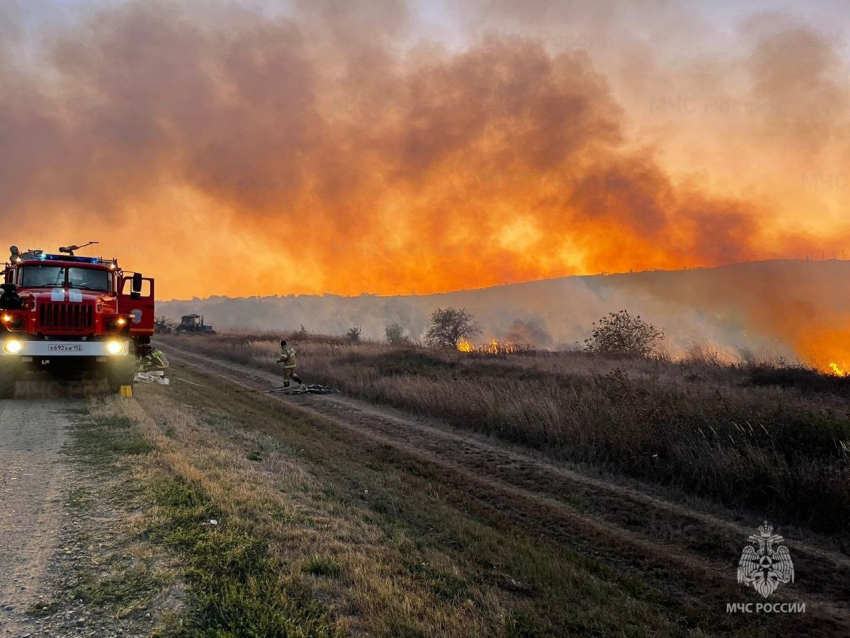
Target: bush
[(449, 326), (395, 335), (353, 334), (620, 333)]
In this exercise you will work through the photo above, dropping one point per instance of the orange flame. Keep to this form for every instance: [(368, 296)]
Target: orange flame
[(837, 370), (465, 346)]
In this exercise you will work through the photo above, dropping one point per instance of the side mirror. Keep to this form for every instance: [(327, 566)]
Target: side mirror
[(9, 299), (136, 290)]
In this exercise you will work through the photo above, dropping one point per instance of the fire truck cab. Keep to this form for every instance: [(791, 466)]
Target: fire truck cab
[(73, 316)]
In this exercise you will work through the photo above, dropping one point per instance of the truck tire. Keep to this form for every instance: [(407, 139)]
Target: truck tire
[(124, 373), (8, 380)]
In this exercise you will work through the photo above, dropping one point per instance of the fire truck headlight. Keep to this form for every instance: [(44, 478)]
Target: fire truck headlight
[(115, 347), (13, 347), (12, 322), (116, 324)]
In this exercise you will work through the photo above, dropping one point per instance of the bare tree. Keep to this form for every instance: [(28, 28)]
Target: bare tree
[(621, 333), (449, 326), (395, 335), (353, 334)]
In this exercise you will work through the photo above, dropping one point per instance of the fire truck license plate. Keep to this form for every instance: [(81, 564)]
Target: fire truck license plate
[(65, 348)]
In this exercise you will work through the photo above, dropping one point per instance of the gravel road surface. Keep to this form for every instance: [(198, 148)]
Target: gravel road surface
[(32, 475)]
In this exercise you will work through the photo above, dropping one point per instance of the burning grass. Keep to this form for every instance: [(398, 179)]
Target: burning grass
[(770, 440)]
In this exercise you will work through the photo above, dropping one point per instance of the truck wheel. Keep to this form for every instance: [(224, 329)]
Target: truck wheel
[(124, 374), (8, 379)]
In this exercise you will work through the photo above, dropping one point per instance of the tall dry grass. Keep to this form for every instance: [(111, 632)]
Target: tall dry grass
[(771, 440)]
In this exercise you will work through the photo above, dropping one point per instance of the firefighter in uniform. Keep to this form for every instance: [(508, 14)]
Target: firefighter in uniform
[(287, 361), (153, 360)]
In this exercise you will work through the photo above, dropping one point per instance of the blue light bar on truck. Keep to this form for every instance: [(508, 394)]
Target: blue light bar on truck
[(69, 258)]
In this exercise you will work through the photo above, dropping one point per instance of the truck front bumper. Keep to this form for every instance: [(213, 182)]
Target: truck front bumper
[(10, 347)]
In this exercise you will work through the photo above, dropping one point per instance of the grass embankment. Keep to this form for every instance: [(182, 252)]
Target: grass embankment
[(769, 440), (237, 588), (320, 533)]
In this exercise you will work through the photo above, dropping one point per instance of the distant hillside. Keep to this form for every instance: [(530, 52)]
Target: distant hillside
[(769, 305)]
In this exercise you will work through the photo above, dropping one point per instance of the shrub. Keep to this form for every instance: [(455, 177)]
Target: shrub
[(621, 333), (449, 326), (353, 334), (395, 335)]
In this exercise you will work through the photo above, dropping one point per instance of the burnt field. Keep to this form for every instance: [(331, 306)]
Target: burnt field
[(762, 440)]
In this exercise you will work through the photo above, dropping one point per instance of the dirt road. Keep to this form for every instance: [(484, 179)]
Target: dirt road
[(32, 474), (686, 549), (63, 527)]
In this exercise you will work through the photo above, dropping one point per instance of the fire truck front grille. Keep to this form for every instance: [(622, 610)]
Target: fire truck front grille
[(75, 317)]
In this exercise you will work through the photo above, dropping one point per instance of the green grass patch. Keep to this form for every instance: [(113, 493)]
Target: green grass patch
[(238, 588), (117, 584), (444, 585), (122, 588), (100, 442), (322, 566)]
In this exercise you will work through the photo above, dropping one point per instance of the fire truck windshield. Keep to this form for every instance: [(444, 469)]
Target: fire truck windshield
[(43, 277), (59, 276), (88, 279)]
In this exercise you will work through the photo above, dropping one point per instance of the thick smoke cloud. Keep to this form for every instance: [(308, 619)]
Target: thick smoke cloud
[(328, 147), (799, 310), (331, 151)]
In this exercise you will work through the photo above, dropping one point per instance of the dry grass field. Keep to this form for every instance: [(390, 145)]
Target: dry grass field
[(445, 494), (320, 516), (762, 439)]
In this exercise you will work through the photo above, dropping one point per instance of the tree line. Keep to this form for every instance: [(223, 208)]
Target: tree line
[(615, 333)]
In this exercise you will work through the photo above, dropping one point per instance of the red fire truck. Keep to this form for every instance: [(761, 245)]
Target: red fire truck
[(72, 316)]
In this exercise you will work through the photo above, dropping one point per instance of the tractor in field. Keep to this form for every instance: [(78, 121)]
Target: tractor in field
[(72, 316), (194, 324), (162, 326)]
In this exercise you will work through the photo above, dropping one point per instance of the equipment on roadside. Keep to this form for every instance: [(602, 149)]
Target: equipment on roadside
[(155, 376), (314, 388), (302, 389), (162, 326), (194, 323)]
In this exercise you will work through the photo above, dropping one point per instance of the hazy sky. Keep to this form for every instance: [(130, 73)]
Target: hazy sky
[(392, 147)]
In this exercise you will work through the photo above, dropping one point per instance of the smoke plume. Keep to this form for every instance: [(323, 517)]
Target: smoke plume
[(332, 148)]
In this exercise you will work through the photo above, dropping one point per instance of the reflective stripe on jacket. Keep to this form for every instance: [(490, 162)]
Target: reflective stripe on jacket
[(156, 359), (287, 357)]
